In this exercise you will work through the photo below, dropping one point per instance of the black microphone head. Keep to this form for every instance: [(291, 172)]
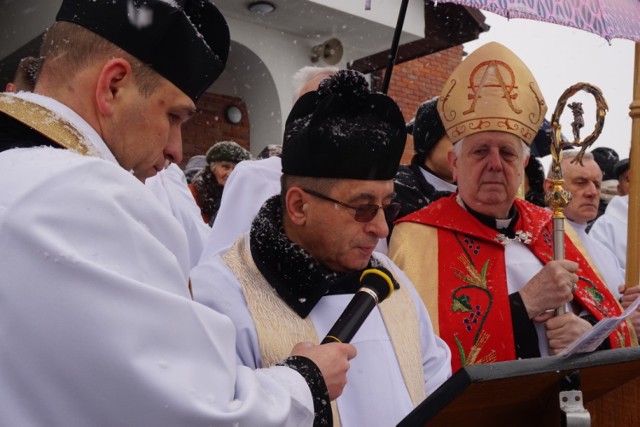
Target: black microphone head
[(378, 280)]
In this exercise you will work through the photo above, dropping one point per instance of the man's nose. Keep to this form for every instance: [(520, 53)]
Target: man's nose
[(173, 150), (592, 190), (494, 161), (378, 225)]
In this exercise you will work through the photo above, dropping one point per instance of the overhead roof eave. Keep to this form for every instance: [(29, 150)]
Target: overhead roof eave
[(446, 25)]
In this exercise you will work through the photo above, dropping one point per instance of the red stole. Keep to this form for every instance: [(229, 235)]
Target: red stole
[(473, 308)]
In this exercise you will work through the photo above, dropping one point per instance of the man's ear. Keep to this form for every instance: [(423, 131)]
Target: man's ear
[(113, 77), (296, 205), (451, 156)]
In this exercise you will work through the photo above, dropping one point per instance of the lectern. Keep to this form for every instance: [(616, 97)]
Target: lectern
[(527, 392)]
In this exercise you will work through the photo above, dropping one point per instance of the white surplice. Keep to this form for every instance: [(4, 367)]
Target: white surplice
[(605, 261), (610, 228), (96, 321), (248, 187), (376, 394), (171, 189)]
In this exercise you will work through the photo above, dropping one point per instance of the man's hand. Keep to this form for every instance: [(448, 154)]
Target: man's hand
[(628, 296), (550, 288), (563, 330), (333, 361)]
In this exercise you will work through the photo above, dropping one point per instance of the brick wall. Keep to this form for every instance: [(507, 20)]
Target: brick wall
[(416, 81), (209, 125)]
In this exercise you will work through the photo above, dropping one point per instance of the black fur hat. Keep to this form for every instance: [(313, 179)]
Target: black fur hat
[(185, 41), (426, 128), (607, 158), (342, 130), (229, 151)]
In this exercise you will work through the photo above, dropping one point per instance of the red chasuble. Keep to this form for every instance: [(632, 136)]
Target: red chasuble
[(473, 308)]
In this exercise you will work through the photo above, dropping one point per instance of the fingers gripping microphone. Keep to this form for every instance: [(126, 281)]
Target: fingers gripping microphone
[(376, 287)]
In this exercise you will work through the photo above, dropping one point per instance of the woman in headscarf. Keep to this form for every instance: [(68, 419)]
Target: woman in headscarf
[(208, 184)]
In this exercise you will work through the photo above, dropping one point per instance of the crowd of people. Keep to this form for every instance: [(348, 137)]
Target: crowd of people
[(136, 293)]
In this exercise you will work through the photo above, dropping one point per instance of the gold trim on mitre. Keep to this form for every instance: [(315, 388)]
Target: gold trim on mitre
[(45, 122), (492, 90)]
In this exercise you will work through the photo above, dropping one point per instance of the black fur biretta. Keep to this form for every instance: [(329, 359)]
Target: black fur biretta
[(342, 130), (185, 41), (426, 128), (606, 158)]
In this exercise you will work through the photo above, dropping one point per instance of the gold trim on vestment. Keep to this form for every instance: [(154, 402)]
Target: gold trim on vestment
[(419, 261), (46, 122), (401, 319), (277, 326)]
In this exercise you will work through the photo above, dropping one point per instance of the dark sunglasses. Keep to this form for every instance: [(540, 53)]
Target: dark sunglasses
[(364, 213)]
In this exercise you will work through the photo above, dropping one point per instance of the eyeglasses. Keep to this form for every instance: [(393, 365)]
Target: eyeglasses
[(364, 213)]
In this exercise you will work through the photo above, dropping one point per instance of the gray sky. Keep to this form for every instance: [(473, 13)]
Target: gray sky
[(560, 57)]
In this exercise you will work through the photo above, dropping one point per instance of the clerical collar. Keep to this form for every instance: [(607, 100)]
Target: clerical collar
[(504, 226), (299, 279), (426, 168), (436, 182)]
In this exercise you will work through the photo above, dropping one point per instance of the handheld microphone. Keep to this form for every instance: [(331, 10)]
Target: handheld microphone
[(376, 287)]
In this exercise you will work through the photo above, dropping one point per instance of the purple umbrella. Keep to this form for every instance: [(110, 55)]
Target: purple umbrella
[(607, 18)]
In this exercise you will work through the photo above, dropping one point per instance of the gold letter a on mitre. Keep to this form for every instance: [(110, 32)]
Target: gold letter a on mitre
[(491, 77)]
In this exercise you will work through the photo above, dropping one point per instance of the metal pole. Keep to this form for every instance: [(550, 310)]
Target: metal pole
[(393, 52), (558, 198), (558, 247)]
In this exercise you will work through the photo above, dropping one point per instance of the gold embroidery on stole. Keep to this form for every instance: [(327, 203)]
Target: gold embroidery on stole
[(277, 326), (401, 319), (44, 121)]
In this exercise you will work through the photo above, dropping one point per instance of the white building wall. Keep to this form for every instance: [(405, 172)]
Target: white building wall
[(261, 75)]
